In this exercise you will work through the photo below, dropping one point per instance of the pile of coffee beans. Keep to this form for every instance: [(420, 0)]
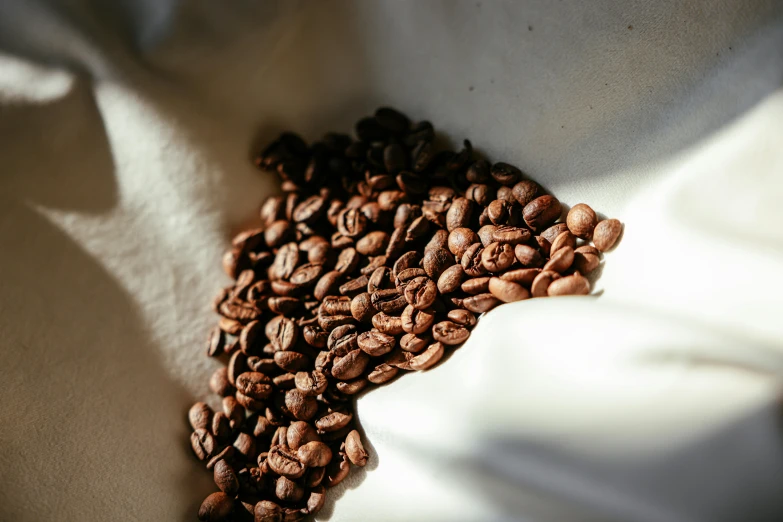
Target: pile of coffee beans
[(376, 261)]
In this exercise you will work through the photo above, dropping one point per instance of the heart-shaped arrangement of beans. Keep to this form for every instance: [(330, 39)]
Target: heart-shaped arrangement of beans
[(376, 261)]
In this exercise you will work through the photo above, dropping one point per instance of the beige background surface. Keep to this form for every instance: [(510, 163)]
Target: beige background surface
[(125, 133)]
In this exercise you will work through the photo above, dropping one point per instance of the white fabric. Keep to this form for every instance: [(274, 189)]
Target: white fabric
[(125, 135)]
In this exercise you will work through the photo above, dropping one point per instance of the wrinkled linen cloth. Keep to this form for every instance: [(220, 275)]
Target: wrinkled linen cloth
[(126, 131)]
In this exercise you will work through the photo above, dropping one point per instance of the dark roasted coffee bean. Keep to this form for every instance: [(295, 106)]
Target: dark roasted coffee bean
[(525, 191), (586, 259), (389, 199), (262, 365), (351, 223), (407, 260), (239, 311), (436, 261), (511, 235), (350, 366), (217, 507), (234, 411), (422, 155), (219, 383), (477, 285), (406, 276), (226, 454), (330, 322), (203, 443), (380, 279), (389, 301), (504, 194), (310, 210), (254, 385), (268, 511), (382, 373), (200, 416), (315, 336), (416, 321), (439, 240), (459, 214), (250, 338), (471, 261), (336, 305), (362, 308), (373, 244), (336, 472), (291, 361), (410, 183), (333, 421), (352, 387), (388, 324), (373, 264), (284, 381), (481, 194), (505, 174), (405, 214), (396, 244), (481, 303), (485, 234), (303, 407), (342, 340), (542, 212), (284, 463), (234, 262), (300, 433), (272, 210), (306, 275), (283, 305), (215, 342), (417, 229), (498, 257), (278, 233), (329, 284), (421, 292), (230, 327), (285, 288), (392, 120), (282, 332), (236, 366), (225, 478), (375, 343), (311, 383), (288, 491), (354, 287), (478, 172), (497, 212)]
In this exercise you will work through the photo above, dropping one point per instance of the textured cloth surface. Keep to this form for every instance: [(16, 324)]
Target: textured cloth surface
[(126, 129)]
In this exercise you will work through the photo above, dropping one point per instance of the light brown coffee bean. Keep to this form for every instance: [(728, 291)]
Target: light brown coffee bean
[(436, 261), (560, 260), (421, 293), (522, 276), (525, 191), (350, 366), (314, 454), (284, 463), (382, 373), (388, 324), (586, 259), (480, 303), (287, 490), (200, 416), (267, 511), (333, 421), (555, 230), (234, 411), (428, 358), (511, 235), (581, 221), (311, 383), (461, 316), (362, 308), (507, 291), (541, 283), (606, 234), (336, 472), (477, 285), (354, 449), (450, 333), (460, 239), (575, 284), (472, 261), (300, 433), (563, 239)]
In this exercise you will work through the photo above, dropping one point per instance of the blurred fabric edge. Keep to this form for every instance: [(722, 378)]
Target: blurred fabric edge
[(662, 115)]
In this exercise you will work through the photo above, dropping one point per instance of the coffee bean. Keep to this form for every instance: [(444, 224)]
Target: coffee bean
[(352, 387), (581, 221), (411, 183), (354, 449), (376, 343), (282, 332), (311, 383), (234, 412), (362, 308), (225, 478), (389, 301), (317, 499), (268, 511), (306, 275), (302, 407), (485, 234), (528, 256), (478, 172), (278, 233), (396, 245), (203, 443), (328, 284), (216, 342), (575, 284), (541, 283), (351, 223), (373, 264), (541, 212), (436, 261), (555, 230), (525, 191), (416, 321), (350, 366), (606, 234), (505, 174), (480, 303), (272, 210), (333, 421), (450, 333), (336, 305), (284, 463), (219, 382), (422, 155), (200, 416), (388, 324), (497, 257), (236, 365), (421, 293), (560, 260), (230, 327), (217, 507), (254, 385), (477, 285), (249, 338), (300, 433), (450, 279), (291, 361), (460, 240), (480, 193), (314, 454), (563, 239), (460, 316), (336, 472), (373, 244), (459, 214), (354, 287), (315, 336), (417, 229), (382, 373), (389, 199), (586, 259), (234, 261), (428, 358), (342, 340), (286, 380), (226, 454), (509, 234), (544, 245), (472, 262), (282, 305), (392, 120), (380, 279), (239, 311), (406, 276), (507, 291), (439, 241)]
